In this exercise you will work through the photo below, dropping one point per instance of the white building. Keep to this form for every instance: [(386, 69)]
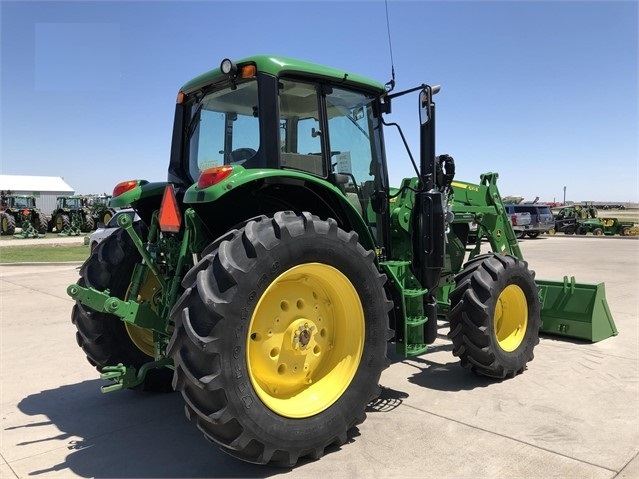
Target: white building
[(45, 189)]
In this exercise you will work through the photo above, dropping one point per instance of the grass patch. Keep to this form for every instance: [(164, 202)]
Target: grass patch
[(47, 253), (46, 236)]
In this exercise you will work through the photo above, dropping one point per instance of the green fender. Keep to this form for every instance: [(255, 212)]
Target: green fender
[(141, 190), (240, 176)]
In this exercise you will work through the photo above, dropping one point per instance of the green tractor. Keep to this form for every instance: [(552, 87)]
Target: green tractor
[(21, 211), (72, 215), (269, 272), (100, 209)]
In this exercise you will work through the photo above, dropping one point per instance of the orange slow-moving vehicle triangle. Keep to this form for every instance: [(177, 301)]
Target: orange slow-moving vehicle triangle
[(170, 217)]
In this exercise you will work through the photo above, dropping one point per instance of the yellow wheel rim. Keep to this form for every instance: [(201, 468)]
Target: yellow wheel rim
[(141, 337), (305, 340), (107, 217), (511, 318)]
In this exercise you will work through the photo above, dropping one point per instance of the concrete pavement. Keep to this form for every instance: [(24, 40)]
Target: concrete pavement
[(573, 414)]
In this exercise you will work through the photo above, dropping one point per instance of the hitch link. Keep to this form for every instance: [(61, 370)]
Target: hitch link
[(127, 377)]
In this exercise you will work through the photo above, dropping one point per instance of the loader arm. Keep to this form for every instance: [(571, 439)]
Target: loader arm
[(482, 204), (570, 309)]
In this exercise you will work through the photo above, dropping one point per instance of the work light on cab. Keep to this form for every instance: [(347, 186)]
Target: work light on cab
[(228, 67), (212, 176)]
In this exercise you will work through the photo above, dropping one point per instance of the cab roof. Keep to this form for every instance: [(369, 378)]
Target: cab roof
[(277, 65)]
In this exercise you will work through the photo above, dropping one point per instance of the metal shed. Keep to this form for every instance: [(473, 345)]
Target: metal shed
[(45, 189)]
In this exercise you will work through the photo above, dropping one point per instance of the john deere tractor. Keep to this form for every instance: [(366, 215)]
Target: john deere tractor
[(72, 215), (272, 268), (100, 209), (21, 211)]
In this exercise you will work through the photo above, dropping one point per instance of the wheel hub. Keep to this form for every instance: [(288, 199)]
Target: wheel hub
[(302, 335), (510, 318), (305, 341)]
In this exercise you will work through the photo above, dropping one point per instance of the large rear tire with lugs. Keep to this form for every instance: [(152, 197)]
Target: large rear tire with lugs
[(280, 338), (62, 223), (41, 224), (106, 339), (495, 315), (7, 224)]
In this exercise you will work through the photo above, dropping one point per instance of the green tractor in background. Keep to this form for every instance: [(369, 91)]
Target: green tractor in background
[(21, 211), (100, 209), (269, 272), (72, 215)]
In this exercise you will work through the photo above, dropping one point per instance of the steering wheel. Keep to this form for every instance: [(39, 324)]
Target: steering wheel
[(242, 154)]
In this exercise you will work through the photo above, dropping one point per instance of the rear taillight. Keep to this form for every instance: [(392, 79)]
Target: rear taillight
[(213, 176), (513, 220), (123, 187)]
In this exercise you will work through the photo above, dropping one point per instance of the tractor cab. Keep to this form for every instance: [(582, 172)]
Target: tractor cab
[(300, 118)]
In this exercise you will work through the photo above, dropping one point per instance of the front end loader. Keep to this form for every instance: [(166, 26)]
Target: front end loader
[(269, 272)]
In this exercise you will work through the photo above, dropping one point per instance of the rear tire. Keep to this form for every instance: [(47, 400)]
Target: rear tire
[(7, 224), (105, 338), (106, 216), (41, 224), (281, 338), (495, 316), (89, 224), (62, 222)]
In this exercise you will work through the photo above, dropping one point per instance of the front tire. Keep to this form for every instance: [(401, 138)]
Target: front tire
[(281, 338), (495, 316)]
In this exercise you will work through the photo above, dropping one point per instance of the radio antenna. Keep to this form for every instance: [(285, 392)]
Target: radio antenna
[(391, 84)]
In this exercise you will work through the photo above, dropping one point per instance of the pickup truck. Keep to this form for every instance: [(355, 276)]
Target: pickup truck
[(520, 221), (541, 218)]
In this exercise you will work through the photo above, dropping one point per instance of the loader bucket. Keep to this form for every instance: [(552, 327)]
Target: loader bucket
[(575, 310)]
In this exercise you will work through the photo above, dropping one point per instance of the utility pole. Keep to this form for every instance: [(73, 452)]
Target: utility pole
[(564, 196)]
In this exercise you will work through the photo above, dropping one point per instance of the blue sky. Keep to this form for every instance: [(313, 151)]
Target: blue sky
[(543, 92)]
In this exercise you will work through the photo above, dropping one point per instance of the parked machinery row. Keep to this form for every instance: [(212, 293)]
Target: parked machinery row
[(76, 213), (581, 220)]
